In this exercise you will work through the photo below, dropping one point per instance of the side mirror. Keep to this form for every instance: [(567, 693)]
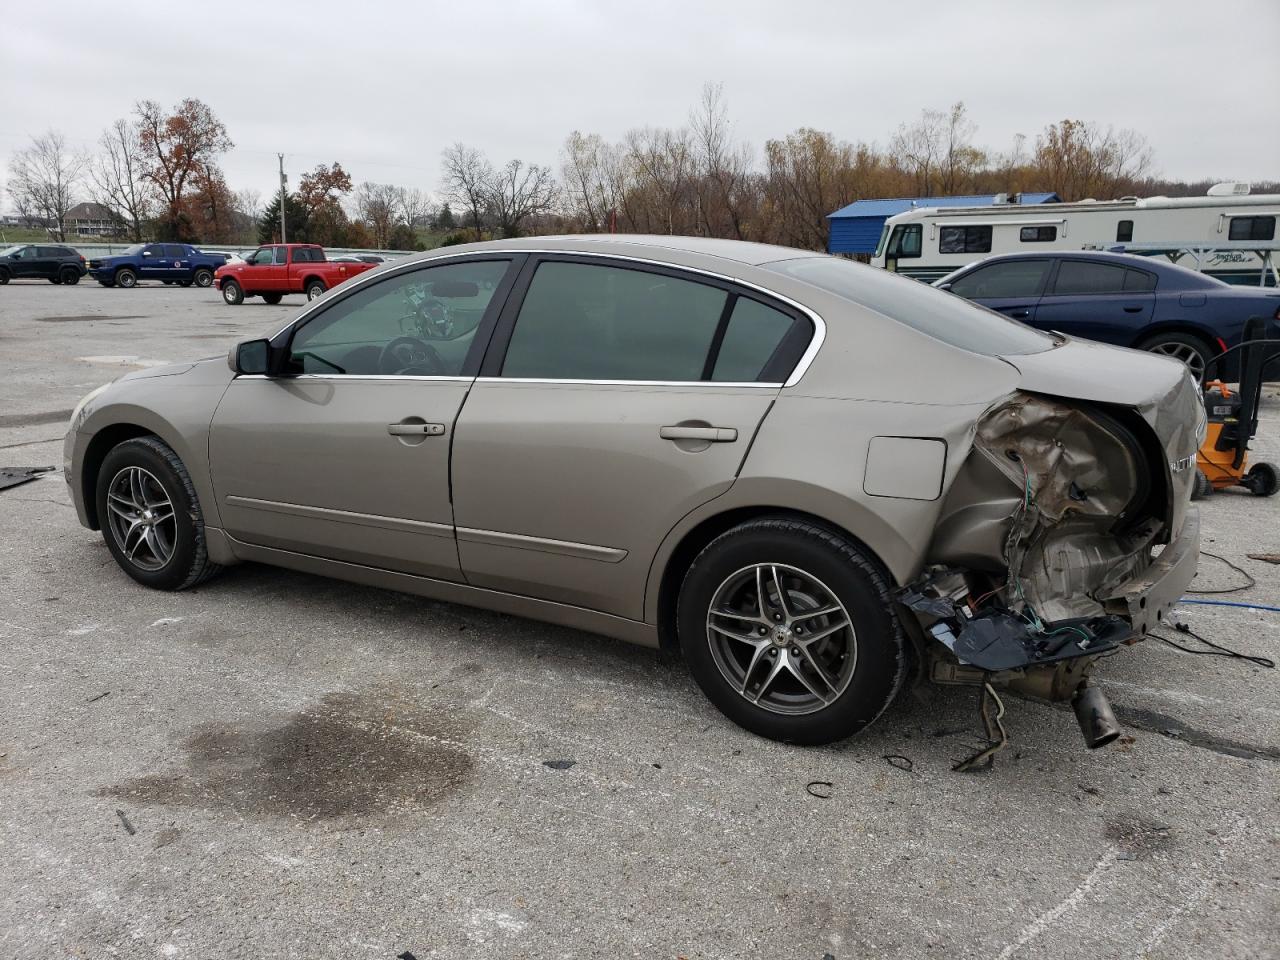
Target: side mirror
[(146, 253), (250, 358), (944, 286)]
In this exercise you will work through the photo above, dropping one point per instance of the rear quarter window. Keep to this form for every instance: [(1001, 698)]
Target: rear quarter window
[(945, 317)]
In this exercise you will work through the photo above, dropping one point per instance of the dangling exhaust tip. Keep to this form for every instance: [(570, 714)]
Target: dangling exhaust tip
[(1097, 721)]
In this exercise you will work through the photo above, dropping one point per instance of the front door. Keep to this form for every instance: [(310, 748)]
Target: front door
[(347, 456), (154, 264), (1098, 301), (1011, 286), (626, 397)]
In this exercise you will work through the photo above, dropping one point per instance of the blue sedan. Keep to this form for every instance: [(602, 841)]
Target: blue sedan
[(1118, 298)]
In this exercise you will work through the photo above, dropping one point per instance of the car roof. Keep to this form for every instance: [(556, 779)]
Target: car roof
[(1183, 276), (658, 247)]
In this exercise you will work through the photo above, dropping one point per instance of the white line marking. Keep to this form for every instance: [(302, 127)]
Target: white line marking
[(1042, 923)]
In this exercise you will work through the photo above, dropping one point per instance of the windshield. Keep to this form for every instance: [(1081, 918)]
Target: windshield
[(940, 315), (10, 251), (130, 251)]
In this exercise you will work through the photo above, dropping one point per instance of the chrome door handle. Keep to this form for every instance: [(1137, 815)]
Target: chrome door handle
[(1019, 314), (709, 434), (415, 429)]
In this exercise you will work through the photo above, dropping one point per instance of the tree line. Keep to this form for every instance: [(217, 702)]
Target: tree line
[(158, 173)]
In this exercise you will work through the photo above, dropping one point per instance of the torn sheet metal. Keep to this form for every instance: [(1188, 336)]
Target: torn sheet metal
[(12, 476)]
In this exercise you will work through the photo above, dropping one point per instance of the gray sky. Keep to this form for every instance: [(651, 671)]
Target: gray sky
[(383, 87)]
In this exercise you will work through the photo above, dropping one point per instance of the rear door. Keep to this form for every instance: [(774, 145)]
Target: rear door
[(46, 262), (616, 397), (1012, 286), (1109, 302), (178, 266)]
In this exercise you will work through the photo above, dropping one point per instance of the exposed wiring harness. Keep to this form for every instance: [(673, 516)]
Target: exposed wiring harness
[(1237, 568), (1216, 650), (1231, 603)]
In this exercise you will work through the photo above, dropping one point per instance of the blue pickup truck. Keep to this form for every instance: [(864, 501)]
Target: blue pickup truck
[(178, 263)]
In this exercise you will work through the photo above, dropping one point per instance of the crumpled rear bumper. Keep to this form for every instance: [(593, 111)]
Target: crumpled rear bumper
[(1147, 598)]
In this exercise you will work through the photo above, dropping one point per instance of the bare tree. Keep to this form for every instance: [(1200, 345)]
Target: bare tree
[(518, 192), (377, 204), (415, 206), (119, 179), (180, 148), (723, 166), (917, 147), (43, 179), (1077, 159), (958, 158), (467, 178)]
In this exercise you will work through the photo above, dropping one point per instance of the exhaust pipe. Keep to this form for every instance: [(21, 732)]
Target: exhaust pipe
[(1094, 714)]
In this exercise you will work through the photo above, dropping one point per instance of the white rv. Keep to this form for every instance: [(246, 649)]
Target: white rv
[(1228, 233)]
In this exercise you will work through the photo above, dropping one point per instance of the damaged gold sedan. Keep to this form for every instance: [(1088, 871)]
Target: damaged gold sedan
[(808, 476)]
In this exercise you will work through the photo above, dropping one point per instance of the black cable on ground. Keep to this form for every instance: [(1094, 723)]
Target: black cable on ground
[(1217, 649), (1238, 569)]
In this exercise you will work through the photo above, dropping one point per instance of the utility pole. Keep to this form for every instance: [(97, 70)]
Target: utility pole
[(284, 195)]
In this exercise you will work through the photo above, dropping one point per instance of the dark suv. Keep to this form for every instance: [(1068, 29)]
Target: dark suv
[(39, 262)]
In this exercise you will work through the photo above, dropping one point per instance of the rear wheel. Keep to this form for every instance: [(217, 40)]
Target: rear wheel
[(203, 277), (55, 280), (4, 277), (126, 278), (232, 293), (71, 276), (314, 288), (791, 631), (150, 515), (1263, 479), (1191, 350), (273, 298)]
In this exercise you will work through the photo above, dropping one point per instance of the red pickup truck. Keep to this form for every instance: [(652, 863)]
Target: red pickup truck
[(272, 271)]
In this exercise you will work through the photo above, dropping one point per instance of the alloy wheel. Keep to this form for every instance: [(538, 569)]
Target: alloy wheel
[(142, 518), (1184, 352), (782, 639)]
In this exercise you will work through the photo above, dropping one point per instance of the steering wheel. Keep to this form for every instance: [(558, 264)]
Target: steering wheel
[(409, 356)]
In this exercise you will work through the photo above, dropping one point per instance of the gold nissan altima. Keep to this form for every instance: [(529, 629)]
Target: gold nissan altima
[(811, 477)]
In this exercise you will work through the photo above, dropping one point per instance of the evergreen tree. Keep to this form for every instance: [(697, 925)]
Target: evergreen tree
[(296, 221), (444, 219)]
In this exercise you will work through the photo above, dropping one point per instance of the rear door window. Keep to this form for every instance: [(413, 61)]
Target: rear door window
[(175, 251), (1084, 277), (1139, 281), (584, 321), (281, 255), (1012, 278)]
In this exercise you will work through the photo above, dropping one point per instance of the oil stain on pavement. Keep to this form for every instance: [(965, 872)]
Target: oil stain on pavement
[(349, 756)]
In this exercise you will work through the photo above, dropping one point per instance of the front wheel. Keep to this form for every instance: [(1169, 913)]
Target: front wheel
[(232, 293), (55, 280), (203, 278), (273, 298), (314, 289), (126, 278), (150, 516), (791, 631), (4, 277)]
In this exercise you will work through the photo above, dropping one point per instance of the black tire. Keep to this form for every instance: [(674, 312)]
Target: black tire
[(1190, 349), (1263, 479), (232, 293), (1201, 487), (189, 563), (854, 579), (185, 283), (273, 298), (203, 278), (55, 280), (71, 277), (107, 283), (126, 278), (314, 288), (4, 277), (167, 283)]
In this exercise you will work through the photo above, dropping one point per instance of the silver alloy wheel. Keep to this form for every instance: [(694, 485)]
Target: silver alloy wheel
[(203, 278), (1184, 352), (126, 279), (782, 638), (314, 291), (229, 293), (142, 518)]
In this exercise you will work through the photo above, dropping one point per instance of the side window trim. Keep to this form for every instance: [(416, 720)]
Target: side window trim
[(282, 341), (500, 339)]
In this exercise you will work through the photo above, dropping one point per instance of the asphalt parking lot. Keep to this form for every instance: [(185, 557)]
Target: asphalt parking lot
[(278, 765)]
